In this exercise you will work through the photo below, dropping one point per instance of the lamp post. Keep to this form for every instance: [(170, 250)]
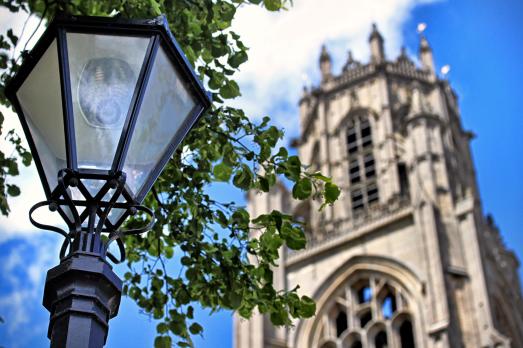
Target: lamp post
[(103, 102)]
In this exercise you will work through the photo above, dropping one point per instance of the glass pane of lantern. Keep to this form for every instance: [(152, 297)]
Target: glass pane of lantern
[(94, 186), (46, 124), (166, 105), (116, 213), (104, 71)]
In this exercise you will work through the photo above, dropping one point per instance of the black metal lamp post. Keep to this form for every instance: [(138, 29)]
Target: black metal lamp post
[(103, 102)]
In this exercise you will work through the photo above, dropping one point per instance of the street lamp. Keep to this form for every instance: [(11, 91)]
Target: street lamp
[(103, 102)]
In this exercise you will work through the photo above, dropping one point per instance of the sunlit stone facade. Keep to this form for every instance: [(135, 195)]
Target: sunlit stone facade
[(406, 257)]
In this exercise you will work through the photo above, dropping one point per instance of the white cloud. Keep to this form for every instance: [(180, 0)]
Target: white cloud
[(17, 223), (23, 269), (27, 28), (284, 47)]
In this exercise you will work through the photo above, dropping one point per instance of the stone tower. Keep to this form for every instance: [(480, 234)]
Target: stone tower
[(406, 257)]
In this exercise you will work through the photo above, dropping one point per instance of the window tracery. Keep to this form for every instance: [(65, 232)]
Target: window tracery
[(369, 312)]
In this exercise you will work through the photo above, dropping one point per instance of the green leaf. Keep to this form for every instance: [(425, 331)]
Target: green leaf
[(243, 178), (241, 218), (307, 308), (279, 317), (162, 342), (157, 283), (4, 58), (265, 152), (272, 179), (162, 328), (12, 167), (216, 81), (190, 54), (237, 59), (292, 168), (182, 296), (332, 192), (13, 190), (264, 184), (192, 274), (155, 6), (245, 311), (272, 134), (222, 172), (302, 189), (195, 328), (27, 158), (293, 236), (272, 5), (177, 326), (282, 153), (271, 241), (169, 252), (222, 219), (235, 299), (321, 177), (265, 121), (228, 11), (263, 219), (230, 90), (12, 37), (207, 56), (186, 261)]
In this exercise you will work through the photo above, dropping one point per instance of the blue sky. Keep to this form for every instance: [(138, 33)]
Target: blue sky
[(482, 42)]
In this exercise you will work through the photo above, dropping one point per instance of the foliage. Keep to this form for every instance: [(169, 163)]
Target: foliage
[(232, 269)]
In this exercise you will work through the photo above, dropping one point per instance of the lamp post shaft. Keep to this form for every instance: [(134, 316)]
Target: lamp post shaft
[(82, 293)]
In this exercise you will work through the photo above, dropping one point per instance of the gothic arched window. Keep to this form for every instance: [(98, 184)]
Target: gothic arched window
[(362, 167), (361, 313)]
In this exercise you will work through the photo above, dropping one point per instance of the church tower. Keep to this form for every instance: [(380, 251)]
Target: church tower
[(406, 257)]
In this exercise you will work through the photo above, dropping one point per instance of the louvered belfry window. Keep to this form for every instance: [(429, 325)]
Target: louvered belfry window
[(362, 167)]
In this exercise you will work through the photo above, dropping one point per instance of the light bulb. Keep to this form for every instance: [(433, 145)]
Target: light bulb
[(104, 92)]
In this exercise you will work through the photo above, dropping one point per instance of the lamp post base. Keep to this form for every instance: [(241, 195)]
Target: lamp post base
[(82, 293)]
